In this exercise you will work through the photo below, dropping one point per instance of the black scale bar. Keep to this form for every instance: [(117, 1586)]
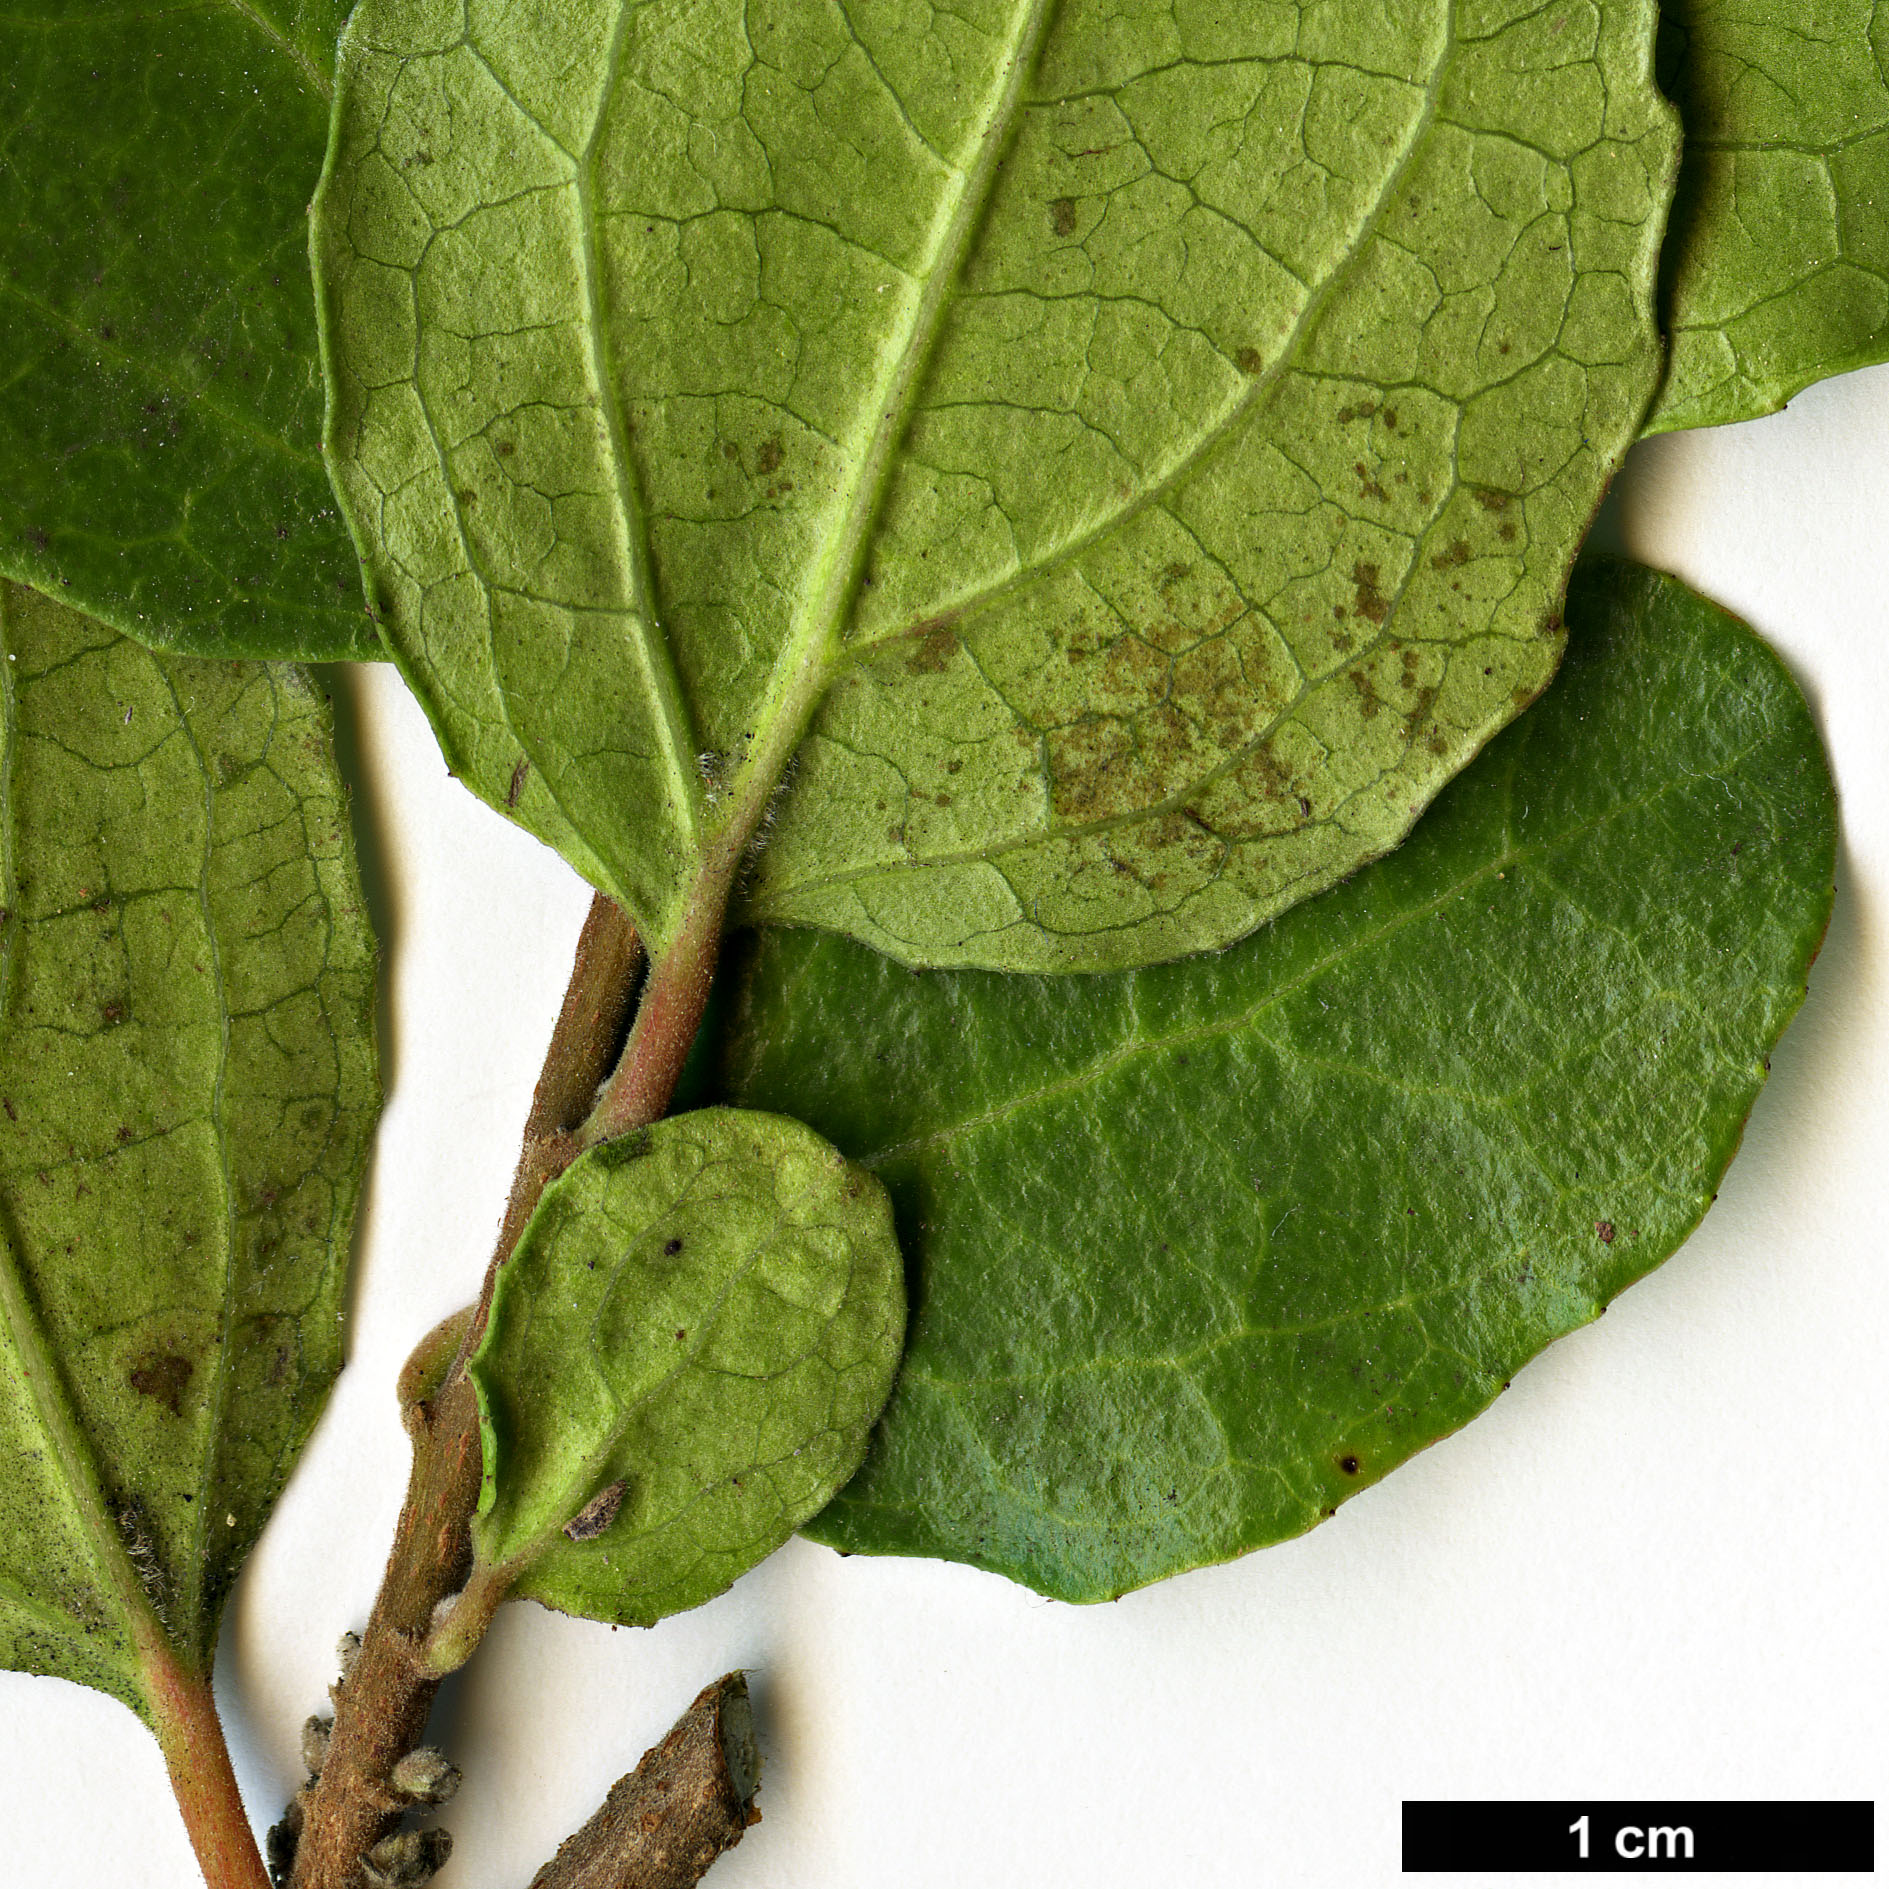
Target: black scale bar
[(1642, 1838)]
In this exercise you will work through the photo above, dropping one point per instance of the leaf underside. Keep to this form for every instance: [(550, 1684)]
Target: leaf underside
[(684, 1358), (1776, 270), (187, 1073), (160, 387), (1145, 444), (1197, 1252)]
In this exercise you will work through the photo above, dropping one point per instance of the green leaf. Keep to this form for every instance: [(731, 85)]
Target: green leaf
[(684, 1357), (188, 1077), (1145, 443), (1776, 271), (1198, 1252), (160, 386)]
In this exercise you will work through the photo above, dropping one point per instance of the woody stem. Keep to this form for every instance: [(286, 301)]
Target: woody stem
[(381, 1705)]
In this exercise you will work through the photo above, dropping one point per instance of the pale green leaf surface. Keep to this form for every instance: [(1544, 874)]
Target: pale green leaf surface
[(188, 1079), (1149, 441), (160, 386), (686, 1351), (1199, 1251), (1777, 262)]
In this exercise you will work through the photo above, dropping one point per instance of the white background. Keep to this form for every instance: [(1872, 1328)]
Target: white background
[(1655, 1568)]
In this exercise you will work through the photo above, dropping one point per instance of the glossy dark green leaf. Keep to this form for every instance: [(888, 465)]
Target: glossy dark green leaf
[(1776, 270), (160, 389), (684, 1357), (188, 1080), (1197, 1252), (1144, 443)]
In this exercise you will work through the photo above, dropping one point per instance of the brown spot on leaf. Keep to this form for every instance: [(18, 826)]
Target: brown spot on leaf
[(1062, 216), (597, 1514), (1370, 602), (1493, 501), (673, 1245), (163, 1376), (1349, 1464), (1250, 361), (1458, 553), (770, 457), (933, 656), (1605, 1228), (518, 783), (1368, 486)]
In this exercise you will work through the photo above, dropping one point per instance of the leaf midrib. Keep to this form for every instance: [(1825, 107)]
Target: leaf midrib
[(1264, 385), (1513, 853), (218, 1402), (147, 366), (652, 645), (993, 596), (813, 650), (321, 83)]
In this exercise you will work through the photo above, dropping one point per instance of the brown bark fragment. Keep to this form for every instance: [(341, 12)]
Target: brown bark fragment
[(690, 1799)]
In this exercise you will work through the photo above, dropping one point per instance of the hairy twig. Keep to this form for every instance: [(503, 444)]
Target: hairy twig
[(690, 1799), (674, 1000), (382, 1700), (584, 1046)]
